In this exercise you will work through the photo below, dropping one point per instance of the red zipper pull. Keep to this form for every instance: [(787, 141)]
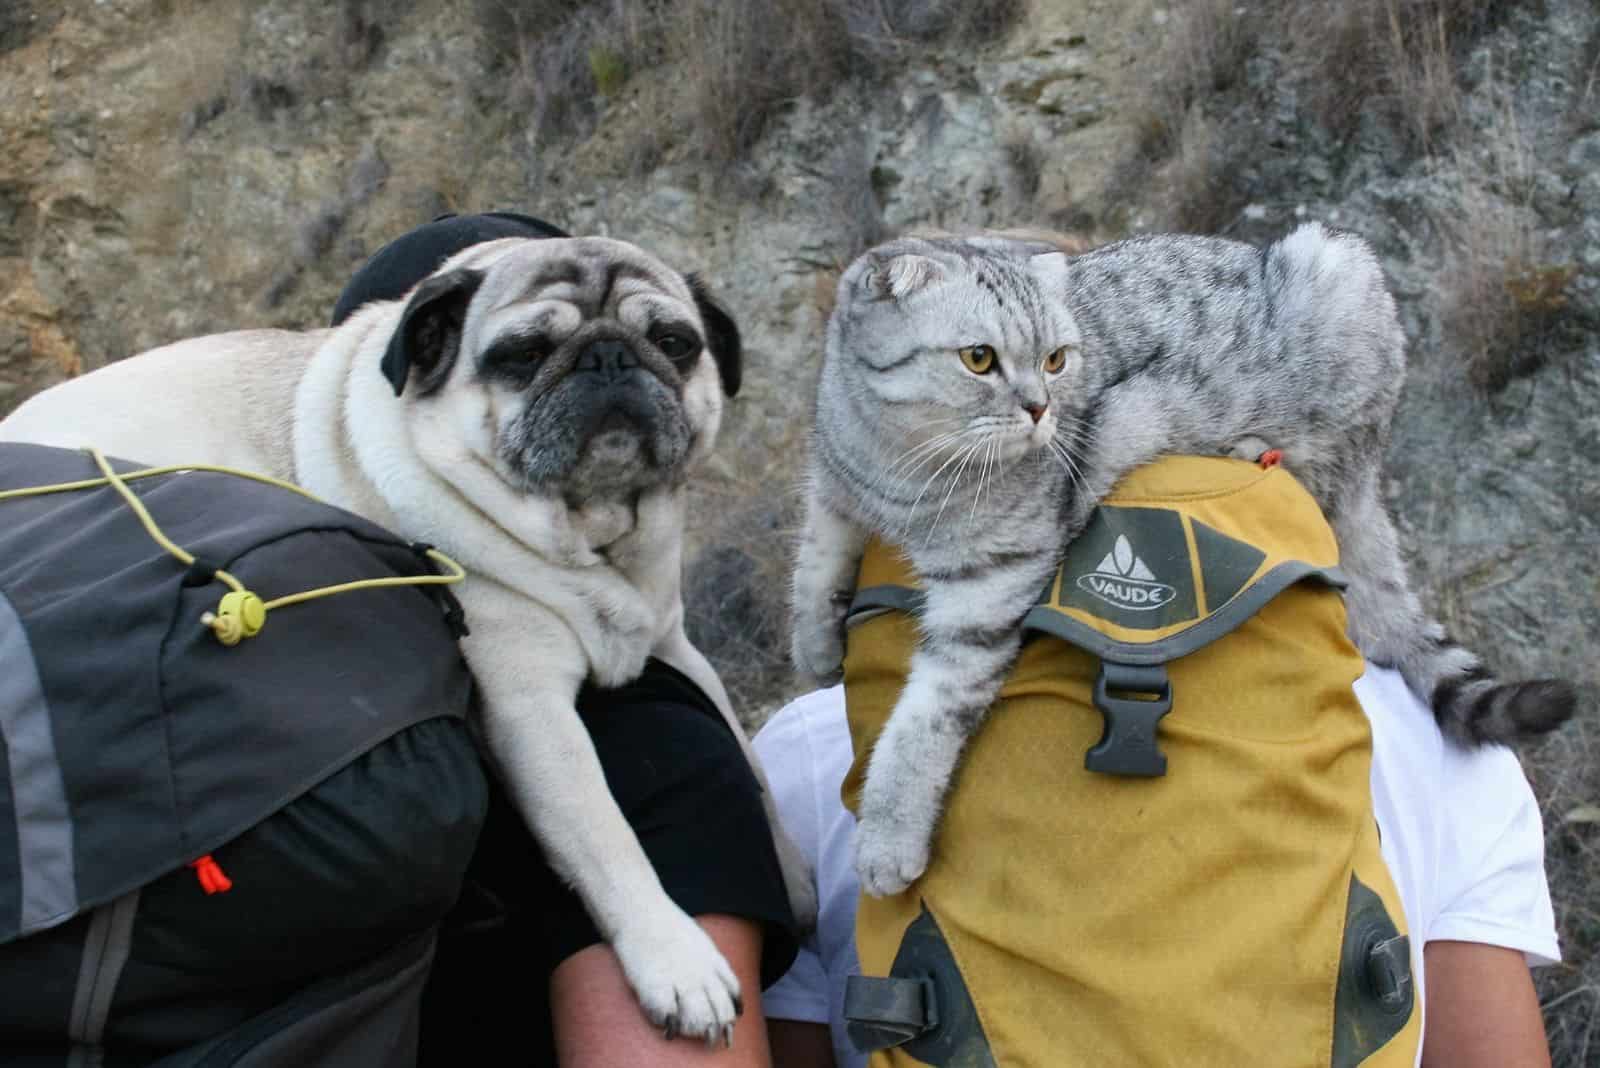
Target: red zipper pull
[(212, 879)]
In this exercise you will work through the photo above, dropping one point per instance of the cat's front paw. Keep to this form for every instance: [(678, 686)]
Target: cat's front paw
[(890, 855), (818, 639)]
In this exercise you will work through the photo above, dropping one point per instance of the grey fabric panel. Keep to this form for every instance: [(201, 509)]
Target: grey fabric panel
[(1226, 564), (330, 679), (89, 586), (47, 891)]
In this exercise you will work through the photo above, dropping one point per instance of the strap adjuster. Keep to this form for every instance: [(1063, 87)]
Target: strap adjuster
[(881, 1013)]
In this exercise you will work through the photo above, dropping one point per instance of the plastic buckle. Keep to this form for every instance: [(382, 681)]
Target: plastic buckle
[(1128, 746)]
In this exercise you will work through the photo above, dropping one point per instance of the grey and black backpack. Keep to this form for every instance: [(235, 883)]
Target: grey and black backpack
[(214, 854)]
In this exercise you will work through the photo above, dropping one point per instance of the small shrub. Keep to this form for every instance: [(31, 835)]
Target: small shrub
[(737, 65), (1502, 295), (1565, 772), (1398, 58), (608, 69), (736, 588), (1181, 155)]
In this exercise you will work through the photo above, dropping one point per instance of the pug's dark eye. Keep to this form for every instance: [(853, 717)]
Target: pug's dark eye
[(516, 356), (675, 346)]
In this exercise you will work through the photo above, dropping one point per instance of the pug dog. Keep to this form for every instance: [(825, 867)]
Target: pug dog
[(533, 408)]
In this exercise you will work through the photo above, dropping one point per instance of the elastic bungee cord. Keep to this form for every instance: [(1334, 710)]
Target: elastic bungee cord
[(241, 614)]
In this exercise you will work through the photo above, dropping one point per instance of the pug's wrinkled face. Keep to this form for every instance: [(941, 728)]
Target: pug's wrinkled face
[(582, 368)]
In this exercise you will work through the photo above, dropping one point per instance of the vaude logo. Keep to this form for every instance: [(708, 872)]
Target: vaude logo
[(1123, 580)]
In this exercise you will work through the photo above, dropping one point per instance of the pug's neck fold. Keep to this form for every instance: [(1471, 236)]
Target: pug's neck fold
[(602, 523)]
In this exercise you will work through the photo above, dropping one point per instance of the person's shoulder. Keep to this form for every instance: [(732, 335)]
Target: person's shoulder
[(1463, 822), (1403, 728), (1406, 741)]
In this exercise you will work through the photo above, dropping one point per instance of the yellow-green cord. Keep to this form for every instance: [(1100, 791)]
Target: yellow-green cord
[(241, 613)]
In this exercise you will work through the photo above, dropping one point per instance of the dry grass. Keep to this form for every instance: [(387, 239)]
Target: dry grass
[(1565, 772), (1398, 57), (1390, 61), (736, 600), (1501, 297), (736, 586), (1183, 155), (736, 65), (1203, 51)]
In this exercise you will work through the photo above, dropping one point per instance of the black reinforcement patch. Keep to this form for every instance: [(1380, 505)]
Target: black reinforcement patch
[(1130, 566)]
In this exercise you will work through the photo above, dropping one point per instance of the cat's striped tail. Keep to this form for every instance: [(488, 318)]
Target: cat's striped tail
[(1474, 708), (1390, 626)]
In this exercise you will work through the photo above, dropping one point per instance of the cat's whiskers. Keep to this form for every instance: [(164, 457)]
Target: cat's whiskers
[(903, 467), (991, 454), (952, 458), (955, 480), (1063, 455), (928, 457), (959, 455)]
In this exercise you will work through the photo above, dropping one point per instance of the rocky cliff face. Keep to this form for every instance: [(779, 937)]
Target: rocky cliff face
[(174, 167), (169, 168)]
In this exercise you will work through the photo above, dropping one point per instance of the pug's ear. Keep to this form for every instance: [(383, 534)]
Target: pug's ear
[(722, 336), (428, 339)]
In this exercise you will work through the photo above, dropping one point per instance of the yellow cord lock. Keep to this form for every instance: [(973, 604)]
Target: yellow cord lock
[(240, 615)]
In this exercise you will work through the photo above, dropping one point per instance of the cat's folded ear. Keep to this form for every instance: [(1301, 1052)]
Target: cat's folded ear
[(896, 277), (1050, 268)]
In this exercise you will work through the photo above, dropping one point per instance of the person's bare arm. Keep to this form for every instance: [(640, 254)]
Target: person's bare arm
[(598, 1021), (1482, 1009), (800, 1044)]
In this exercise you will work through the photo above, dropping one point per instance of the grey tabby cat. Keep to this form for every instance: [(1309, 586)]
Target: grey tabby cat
[(980, 395)]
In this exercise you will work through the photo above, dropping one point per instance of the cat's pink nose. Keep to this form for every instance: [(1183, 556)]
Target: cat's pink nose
[(1035, 410)]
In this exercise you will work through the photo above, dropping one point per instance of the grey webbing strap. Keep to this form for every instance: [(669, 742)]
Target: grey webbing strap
[(884, 1012), (105, 951)]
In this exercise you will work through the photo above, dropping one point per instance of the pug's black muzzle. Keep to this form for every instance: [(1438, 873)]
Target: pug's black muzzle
[(611, 425), (608, 358)]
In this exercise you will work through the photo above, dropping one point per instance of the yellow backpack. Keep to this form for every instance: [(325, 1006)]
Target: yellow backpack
[(1114, 883)]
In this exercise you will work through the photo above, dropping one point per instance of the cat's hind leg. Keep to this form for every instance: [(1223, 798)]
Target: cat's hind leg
[(828, 557), (1389, 625)]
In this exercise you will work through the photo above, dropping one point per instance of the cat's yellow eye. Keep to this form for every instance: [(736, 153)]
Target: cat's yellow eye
[(979, 359), (1054, 362)]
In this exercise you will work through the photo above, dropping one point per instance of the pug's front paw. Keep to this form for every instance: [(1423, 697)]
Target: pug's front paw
[(684, 984)]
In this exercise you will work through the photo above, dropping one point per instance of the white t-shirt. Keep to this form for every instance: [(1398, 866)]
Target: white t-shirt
[(1460, 832)]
